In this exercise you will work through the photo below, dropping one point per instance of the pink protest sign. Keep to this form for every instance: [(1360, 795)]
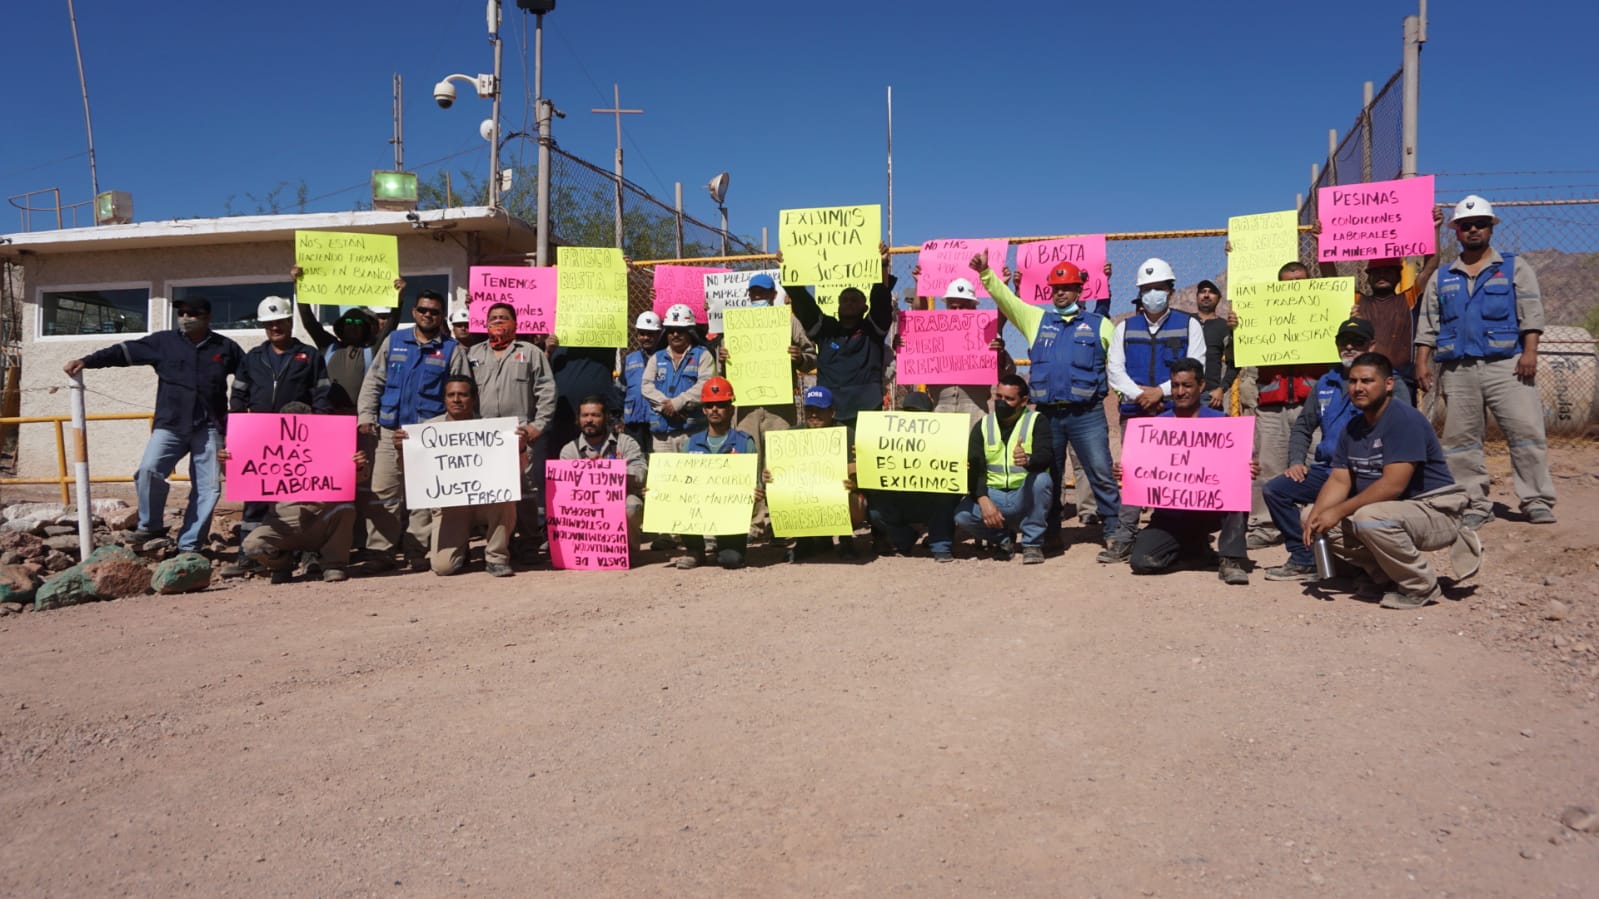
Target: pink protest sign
[(1379, 220), (947, 346), (530, 289), (682, 284), (1188, 463), (943, 261), (1087, 252), (587, 513), (282, 458)]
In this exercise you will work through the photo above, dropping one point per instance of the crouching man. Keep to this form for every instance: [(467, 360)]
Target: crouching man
[(1390, 498)]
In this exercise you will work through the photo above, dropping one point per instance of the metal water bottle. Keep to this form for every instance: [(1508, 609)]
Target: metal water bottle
[(1324, 557)]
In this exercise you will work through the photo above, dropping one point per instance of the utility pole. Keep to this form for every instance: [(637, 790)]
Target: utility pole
[(1415, 36), (617, 111), (398, 140)]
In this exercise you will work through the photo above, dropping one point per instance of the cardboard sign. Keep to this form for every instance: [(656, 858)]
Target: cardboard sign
[(947, 346), (758, 364), (586, 510), (831, 244), (684, 284), (462, 463), (1035, 260), (339, 268), (731, 290), (1188, 463), (591, 297), (1379, 220), (291, 458), (921, 452), (531, 289), (1261, 244), (1289, 322), (942, 261), (807, 496), (700, 493)]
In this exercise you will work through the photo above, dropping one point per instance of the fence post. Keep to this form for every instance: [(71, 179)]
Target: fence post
[(1412, 86), (1365, 132), (678, 215), (80, 467)]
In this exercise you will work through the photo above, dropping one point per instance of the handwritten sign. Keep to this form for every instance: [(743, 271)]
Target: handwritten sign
[(1188, 463), (700, 493), (827, 295), (462, 463), (1261, 244), (948, 346), (1035, 260), (298, 458), (683, 284), (591, 296), (531, 289), (831, 244), (731, 290), (942, 261), (912, 451), (1378, 220), (586, 511), (1289, 322), (758, 363), (349, 269), (806, 496)]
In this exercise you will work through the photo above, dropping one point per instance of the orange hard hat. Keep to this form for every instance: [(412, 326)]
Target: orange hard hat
[(1065, 275), (717, 390)]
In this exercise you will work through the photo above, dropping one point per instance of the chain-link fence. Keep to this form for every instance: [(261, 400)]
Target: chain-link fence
[(1371, 150)]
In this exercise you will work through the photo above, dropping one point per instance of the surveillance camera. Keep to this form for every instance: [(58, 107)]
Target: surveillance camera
[(444, 94)]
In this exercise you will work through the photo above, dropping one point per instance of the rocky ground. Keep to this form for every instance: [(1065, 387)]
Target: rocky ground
[(893, 727)]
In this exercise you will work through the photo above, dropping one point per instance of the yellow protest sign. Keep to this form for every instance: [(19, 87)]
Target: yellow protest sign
[(700, 493), (807, 496), (591, 297), (827, 295), (831, 244), (757, 340), (343, 269), (1261, 244), (912, 451), (1289, 322)]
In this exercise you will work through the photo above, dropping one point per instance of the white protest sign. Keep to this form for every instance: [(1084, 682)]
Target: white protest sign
[(730, 290), (462, 463)]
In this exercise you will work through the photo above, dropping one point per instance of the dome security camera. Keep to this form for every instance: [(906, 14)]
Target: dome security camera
[(444, 94)]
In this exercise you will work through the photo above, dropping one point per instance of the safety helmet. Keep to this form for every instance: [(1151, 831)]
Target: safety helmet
[(274, 309), (380, 310), (960, 289), (717, 390), (460, 317), (1154, 271), (648, 321), (679, 315), (1065, 275), (1473, 207)]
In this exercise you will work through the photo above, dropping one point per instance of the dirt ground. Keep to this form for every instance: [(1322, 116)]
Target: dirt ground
[(891, 728)]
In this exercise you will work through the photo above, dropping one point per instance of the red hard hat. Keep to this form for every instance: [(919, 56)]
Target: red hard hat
[(717, 390), (1065, 275)]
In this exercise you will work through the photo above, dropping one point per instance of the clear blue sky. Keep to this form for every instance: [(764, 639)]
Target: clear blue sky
[(1027, 117)]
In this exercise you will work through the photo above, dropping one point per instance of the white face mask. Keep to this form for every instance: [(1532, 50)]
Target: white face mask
[(1068, 310), (1155, 300)]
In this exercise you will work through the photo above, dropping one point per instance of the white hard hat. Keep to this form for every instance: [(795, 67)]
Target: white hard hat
[(960, 289), (460, 317), (679, 315), (648, 321), (274, 309), (1154, 271), (380, 310), (1473, 207)]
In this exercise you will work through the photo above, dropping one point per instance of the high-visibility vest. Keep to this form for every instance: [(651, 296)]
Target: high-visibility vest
[(1003, 472)]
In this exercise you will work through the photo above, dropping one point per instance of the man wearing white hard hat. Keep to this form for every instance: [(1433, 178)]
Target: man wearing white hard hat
[(674, 378), (630, 379), (461, 328), (1481, 319), (968, 398)]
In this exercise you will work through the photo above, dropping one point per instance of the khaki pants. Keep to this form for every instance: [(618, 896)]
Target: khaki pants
[(757, 422), (1469, 385), (323, 528), (1389, 540), (390, 526), (1273, 424), (669, 443), (452, 532)]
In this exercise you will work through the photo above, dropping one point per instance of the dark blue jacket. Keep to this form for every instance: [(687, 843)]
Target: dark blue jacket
[(1480, 324), (259, 386), (192, 392), (737, 443), (1068, 360), (1149, 357), (413, 378)]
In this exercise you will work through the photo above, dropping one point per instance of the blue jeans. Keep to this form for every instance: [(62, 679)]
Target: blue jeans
[(161, 456), (896, 512), (1283, 496), (1083, 426), (1026, 507)]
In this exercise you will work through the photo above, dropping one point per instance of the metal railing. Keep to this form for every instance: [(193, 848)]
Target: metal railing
[(63, 476)]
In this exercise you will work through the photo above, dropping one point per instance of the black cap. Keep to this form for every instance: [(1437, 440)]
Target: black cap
[(1207, 283), (917, 401), (197, 304), (1357, 327)]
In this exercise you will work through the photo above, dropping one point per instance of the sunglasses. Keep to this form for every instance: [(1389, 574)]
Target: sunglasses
[(191, 313), (427, 310), (1474, 224), (717, 405)]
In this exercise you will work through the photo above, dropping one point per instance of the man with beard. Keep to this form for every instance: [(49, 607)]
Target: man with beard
[(1008, 479), (718, 436), (1482, 319), (598, 440), (1390, 498)]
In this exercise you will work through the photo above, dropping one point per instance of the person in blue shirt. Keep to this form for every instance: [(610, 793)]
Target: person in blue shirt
[(1390, 498), (1175, 534), (718, 436), (630, 380)]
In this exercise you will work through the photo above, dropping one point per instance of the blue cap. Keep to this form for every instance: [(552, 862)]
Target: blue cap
[(819, 398), (763, 281)]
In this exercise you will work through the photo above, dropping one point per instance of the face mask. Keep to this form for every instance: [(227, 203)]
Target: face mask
[(1155, 300), (1068, 310), (189, 325), (501, 333)]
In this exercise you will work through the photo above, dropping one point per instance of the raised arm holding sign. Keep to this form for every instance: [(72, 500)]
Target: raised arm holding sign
[(1289, 322), (531, 289), (338, 268)]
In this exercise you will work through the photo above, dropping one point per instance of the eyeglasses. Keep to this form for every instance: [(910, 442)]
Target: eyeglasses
[(426, 310), (1474, 224), (191, 313), (717, 405)]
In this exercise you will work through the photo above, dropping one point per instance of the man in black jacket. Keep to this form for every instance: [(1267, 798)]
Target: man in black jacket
[(850, 348), (191, 415)]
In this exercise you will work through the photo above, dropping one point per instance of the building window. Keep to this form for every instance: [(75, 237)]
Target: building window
[(233, 306), (123, 310)]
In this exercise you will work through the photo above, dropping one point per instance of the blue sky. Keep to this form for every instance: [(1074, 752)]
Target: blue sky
[(1015, 118)]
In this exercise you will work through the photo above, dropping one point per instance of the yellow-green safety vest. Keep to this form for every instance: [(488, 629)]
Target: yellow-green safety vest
[(1003, 472)]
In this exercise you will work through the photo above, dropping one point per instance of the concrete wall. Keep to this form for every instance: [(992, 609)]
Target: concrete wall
[(116, 447)]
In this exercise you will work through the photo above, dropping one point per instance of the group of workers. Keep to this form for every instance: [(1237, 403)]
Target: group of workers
[(1342, 458)]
